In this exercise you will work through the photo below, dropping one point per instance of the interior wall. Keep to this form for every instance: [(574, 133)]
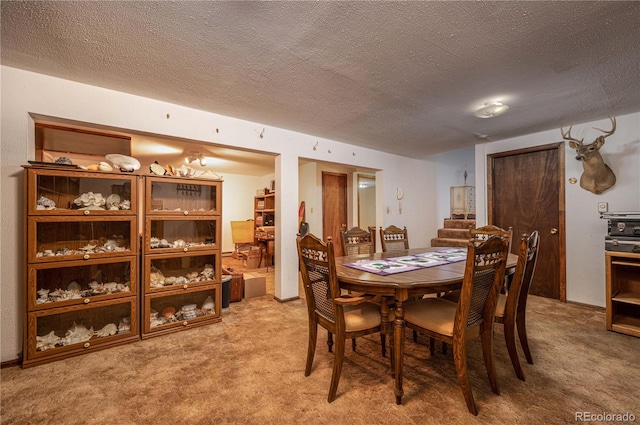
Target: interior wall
[(238, 193), (308, 188), (585, 230), (25, 93), (451, 167)]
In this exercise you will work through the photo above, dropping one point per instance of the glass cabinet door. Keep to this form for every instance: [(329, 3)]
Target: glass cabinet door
[(182, 196), (176, 234), (80, 282), (64, 330), (172, 271), (168, 311), (64, 238), (73, 192)]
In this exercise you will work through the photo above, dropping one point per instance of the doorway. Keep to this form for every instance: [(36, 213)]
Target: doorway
[(334, 208), (525, 191), (366, 201)]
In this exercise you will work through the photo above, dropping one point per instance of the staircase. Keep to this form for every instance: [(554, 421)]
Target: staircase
[(455, 233)]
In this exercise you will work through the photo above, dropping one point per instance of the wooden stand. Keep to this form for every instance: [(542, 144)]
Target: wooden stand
[(623, 292)]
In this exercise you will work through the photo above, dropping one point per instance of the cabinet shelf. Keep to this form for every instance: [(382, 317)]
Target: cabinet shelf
[(627, 297), (629, 325), (264, 217)]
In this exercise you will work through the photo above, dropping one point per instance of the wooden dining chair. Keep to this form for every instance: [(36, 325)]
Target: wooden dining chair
[(511, 307), (343, 315), (356, 241), (484, 232), (472, 316), (393, 238), (374, 235)]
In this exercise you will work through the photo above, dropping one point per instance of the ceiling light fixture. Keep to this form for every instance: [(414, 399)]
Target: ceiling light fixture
[(196, 156), (492, 109)]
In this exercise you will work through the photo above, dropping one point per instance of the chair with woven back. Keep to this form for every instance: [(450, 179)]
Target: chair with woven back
[(484, 232), (511, 307), (372, 230), (471, 317), (357, 241), (342, 315), (477, 235), (394, 238)]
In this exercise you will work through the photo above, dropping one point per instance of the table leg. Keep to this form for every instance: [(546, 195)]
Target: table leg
[(398, 349), (386, 324)]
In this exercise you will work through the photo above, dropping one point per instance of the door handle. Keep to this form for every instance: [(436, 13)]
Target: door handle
[(553, 231)]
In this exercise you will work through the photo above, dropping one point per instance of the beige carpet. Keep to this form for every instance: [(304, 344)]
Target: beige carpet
[(249, 369)]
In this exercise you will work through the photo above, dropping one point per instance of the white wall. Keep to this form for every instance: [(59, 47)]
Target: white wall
[(451, 167), (585, 231), (24, 93), (238, 193)]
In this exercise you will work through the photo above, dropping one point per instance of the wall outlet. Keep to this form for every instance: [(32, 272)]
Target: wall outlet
[(603, 207)]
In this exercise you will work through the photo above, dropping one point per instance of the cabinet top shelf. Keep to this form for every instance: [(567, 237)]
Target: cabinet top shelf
[(622, 254)]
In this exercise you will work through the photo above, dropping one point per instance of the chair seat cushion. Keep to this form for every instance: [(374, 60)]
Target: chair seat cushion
[(361, 316), (500, 305), (434, 314)]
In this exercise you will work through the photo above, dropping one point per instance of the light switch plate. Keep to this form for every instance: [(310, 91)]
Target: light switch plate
[(603, 207)]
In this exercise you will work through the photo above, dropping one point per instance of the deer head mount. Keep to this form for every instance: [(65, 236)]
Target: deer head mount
[(597, 176)]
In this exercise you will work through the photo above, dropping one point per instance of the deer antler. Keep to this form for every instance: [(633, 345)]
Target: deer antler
[(567, 135), (610, 132)]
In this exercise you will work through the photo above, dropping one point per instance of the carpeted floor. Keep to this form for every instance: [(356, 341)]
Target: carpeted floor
[(249, 369)]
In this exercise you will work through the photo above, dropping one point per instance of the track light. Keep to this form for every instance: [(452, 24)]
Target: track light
[(195, 156)]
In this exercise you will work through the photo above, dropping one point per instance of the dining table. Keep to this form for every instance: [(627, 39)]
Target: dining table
[(401, 287)]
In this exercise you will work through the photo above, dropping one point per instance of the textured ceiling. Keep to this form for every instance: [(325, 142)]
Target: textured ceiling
[(401, 77)]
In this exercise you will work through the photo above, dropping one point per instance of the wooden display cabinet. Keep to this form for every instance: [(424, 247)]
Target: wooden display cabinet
[(623, 292), (463, 202), (81, 262), (181, 277), (264, 221), (264, 213)]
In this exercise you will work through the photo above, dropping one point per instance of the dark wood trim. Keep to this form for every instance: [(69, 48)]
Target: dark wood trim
[(538, 148), (11, 363)]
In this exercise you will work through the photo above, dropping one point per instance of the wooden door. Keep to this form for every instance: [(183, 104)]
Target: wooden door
[(334, 207), (526, 192)]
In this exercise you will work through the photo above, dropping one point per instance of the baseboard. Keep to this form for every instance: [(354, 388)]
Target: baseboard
[(591, 306), (286, 299), (11, 363)]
